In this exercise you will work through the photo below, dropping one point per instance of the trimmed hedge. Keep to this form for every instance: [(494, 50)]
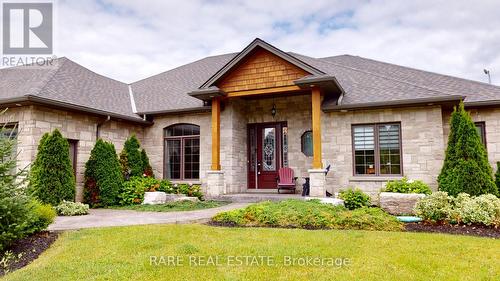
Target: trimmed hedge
[(466, 167), (52, 179), (103, 177)]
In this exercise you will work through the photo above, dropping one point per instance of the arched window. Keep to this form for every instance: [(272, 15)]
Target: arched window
[(306, 141), (182, 152)]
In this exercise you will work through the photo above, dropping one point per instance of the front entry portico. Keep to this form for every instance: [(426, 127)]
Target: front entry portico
[(262, 72)]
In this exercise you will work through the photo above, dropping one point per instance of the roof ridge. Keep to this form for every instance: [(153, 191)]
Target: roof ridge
[(45, 83), (177, 67), (417, 69), (383, 76)]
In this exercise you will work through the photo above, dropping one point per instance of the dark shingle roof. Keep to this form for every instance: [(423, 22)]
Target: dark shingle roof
[(68, 83), (473, 90), (364, 82), (169, 90)]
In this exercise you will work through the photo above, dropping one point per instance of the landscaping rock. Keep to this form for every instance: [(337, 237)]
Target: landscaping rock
[(399, 203), (180, 197), (154, 198), (328, 200)]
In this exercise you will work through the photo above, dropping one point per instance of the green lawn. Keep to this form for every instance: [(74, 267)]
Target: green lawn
[(173, 206), (124, 253)]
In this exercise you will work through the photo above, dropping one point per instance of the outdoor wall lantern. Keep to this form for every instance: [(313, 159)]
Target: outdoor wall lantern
[(273, 110)]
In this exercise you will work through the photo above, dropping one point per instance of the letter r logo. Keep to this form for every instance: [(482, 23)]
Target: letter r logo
[(27, 28)]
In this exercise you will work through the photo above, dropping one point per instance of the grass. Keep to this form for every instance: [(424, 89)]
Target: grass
[(308, 214), (124, 253), (173, 206)]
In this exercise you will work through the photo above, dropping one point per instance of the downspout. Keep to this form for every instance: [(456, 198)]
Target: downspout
[(98, 127)]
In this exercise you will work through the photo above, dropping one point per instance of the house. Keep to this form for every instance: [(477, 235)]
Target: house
[(229, 122)]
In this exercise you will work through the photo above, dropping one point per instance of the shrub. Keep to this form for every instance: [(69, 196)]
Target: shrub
[(192, 190), (14, 207), (466, 168), (133, 190), (147, 170), (308, 214), (13, 200), (483, 209), (434, 207), (68, 208), (354, 198), (39, 218), (407, 186), (497, 178), (103, 178), (132, 153), (439, 207), (52, 179)]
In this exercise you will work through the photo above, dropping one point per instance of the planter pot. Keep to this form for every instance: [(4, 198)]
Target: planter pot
[(154, 198), (399, 203)]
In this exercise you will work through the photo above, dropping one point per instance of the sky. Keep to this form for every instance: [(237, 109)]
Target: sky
[(129, 40)]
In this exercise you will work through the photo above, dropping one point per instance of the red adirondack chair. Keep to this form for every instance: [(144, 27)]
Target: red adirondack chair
[(286, 180)]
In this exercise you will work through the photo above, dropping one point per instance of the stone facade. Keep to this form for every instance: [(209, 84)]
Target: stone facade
[(422, 145), (423, 133), (34, 121), (153, 141)]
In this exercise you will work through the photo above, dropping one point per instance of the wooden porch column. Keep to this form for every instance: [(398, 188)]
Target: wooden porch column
[(215, 134), (316, 127)]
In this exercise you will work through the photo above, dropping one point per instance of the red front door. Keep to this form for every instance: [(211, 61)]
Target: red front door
[(264, 154)]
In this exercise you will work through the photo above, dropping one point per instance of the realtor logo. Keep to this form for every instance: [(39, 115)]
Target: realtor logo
[(27, 28)]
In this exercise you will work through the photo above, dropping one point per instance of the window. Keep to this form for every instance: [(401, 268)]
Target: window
[(377, 149), (306, 141), (182, 152), (481, 130), (9, 131)]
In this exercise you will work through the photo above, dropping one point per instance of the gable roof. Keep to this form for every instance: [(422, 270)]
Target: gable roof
[(258, 43)]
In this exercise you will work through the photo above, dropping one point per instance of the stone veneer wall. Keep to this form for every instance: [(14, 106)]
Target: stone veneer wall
[(422, 145), (422, 138), (491, 119), (153, 140), (34, 121)]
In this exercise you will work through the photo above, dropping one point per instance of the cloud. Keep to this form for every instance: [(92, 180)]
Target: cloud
[(129, 40)]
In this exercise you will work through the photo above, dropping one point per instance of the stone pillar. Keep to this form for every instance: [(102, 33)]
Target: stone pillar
[(317, 182), (215, 183)]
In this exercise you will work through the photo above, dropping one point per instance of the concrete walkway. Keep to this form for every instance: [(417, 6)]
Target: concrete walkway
[(109, 217)]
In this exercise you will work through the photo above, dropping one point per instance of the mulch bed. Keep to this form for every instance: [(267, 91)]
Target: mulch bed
[(472, 230), (27, 249)]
